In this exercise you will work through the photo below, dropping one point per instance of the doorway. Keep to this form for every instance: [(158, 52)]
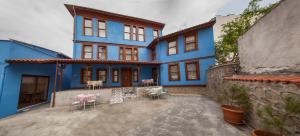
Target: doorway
[(126, 77), (33, 90)]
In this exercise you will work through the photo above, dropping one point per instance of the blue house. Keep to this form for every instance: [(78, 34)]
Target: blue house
[(123, 50), (119, 50), (25, 84)]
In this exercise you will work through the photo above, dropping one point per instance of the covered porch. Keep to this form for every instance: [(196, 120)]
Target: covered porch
[(113, 73)]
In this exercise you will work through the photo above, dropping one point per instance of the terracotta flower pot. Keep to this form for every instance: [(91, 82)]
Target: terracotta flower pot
[(262, 133), (232, 114)]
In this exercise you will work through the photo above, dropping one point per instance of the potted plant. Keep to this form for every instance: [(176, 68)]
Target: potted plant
[(278, 122), (235, 101)]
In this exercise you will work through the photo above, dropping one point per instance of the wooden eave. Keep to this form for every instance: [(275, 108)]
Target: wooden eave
[(79, 61), (184, 31), (78, 10)]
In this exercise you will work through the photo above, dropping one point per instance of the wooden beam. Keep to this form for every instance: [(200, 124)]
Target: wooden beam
[(54, 86), (60, 77)]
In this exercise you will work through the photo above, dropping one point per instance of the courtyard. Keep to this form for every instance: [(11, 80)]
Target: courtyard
[(173, 115)]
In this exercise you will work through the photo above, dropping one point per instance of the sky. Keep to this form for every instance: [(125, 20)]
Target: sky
[(47, 23)]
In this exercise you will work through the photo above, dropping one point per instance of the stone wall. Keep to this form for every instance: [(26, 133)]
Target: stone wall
[(215, 77), (200, 90), (261, 93)]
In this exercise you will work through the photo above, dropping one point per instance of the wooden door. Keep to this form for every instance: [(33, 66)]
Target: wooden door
[(126, 77), (34, 90)]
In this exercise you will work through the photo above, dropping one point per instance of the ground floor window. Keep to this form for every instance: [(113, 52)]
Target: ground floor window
[(102, 75), (115, 75), (174, 72), (192, 70), (33, 90), (85, 75), (135, 75)]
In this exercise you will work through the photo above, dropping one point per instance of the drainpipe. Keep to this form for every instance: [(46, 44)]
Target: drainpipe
[(2, 80)]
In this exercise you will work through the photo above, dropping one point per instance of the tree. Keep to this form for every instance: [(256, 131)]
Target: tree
[(234, 29)]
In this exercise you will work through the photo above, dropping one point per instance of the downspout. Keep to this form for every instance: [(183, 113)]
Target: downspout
[(2, 80)]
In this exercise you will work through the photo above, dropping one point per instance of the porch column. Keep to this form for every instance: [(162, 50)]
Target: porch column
[(54, 86)]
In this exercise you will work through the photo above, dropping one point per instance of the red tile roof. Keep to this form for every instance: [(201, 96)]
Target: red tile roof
[(295, 79), (79, 61)]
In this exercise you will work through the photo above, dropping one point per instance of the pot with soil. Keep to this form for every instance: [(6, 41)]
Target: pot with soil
[(279, 121), (235, 101)]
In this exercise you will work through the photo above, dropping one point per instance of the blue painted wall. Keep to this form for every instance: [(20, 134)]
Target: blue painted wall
[(115, 33), (113, 52), (10, 74), (145, 73), (205, 54)]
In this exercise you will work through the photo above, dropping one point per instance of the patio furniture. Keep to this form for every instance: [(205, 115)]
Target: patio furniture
[(94, 84), (74, 103), (155, 92), (147, 82), (92, 101), (84, 98)]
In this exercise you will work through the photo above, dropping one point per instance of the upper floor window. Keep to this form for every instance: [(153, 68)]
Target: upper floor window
[(115, 75), (127, 32), (135, 75), (172, 47), (190, 43), (141, 34), (155, 34), (85, 75), (101, 28), (102, 74), (88, 26), (102, 52), (153, 54), (135, 54), (134, 33), (87, 51), (174, 72), (128, 53), (192, 70)]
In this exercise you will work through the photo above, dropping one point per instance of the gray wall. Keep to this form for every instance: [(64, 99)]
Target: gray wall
[(273, 43)]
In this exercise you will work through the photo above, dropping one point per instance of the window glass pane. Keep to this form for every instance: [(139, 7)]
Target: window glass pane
[(88, 48), (88, 31), (191, 67), (174, 76), (141, 37), (101, 25), (88, 23), (155, 33), (192, 75), (127, 29), (190, 39), (190, 46), (115, 72), (134, 37), (141, 30), (102, 33), (172, 44), (115, 78), (174, 69), (127, 36), (88, 55), (172, 51)]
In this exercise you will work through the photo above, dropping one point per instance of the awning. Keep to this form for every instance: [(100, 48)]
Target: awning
[(79, 61)]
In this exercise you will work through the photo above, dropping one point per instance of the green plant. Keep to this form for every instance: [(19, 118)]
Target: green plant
[(227, 45), (236, 95), (279, 121)]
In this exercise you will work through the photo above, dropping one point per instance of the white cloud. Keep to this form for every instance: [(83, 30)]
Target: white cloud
[(47, 23)]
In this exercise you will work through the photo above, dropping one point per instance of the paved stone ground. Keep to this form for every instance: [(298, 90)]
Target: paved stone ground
[(175, 115)]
